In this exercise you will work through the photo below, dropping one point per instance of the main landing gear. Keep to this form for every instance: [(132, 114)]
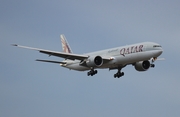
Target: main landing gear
[(92, 72), (119, 74)]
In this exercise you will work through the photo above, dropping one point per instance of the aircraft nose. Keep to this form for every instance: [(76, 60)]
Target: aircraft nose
[(159, 52)]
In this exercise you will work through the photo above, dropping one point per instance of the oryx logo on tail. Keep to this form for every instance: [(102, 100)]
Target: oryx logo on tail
[(65, 46)]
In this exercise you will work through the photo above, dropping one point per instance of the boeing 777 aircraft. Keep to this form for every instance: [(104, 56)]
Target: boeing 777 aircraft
[(140, 55)]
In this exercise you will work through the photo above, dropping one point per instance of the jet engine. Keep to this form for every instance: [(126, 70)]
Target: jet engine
[(96, 61), (142, 65)]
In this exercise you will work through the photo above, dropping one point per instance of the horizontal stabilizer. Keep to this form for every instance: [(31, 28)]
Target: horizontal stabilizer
[(160, 59), (58, 62)]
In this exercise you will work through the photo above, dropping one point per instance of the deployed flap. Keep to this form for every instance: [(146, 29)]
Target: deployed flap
[(58, 54), (51, 61)]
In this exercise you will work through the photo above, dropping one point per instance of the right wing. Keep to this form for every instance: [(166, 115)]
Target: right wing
[(57, 54)]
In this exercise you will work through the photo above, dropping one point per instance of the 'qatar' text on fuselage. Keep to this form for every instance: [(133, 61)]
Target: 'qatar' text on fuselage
[(132, 49)]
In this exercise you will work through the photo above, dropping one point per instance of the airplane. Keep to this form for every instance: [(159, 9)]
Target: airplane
[(141, 55)]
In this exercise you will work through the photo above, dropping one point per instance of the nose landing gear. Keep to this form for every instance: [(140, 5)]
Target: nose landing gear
[(152, 65)]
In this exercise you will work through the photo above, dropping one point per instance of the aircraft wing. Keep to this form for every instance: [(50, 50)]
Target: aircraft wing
[(61, 54), (57, 54)]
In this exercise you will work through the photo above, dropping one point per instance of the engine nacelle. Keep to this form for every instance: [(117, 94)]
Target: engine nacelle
[(96, 61), (142, 65)]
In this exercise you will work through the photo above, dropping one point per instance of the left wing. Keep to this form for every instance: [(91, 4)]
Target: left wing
[(62, 55), (57, 54)]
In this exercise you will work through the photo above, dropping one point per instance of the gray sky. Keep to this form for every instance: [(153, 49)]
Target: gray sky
[(32, 89)]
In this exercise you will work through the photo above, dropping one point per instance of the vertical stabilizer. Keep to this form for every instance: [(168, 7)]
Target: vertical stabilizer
[(65, 46)]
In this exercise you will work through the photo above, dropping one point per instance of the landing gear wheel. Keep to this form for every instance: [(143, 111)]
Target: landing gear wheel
[(92, 72), (114, 75), (152, 65), (119, 74), (88, 73), (122, 74)]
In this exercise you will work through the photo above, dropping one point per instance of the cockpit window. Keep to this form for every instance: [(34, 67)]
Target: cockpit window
[(156, 46)]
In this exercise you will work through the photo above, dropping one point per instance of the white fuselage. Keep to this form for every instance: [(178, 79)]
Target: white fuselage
[(121, 56)]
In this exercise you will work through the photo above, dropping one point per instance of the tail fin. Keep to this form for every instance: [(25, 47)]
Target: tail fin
[(65, 46)]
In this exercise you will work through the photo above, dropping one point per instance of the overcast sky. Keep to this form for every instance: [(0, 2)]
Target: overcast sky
[(34, 89)]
